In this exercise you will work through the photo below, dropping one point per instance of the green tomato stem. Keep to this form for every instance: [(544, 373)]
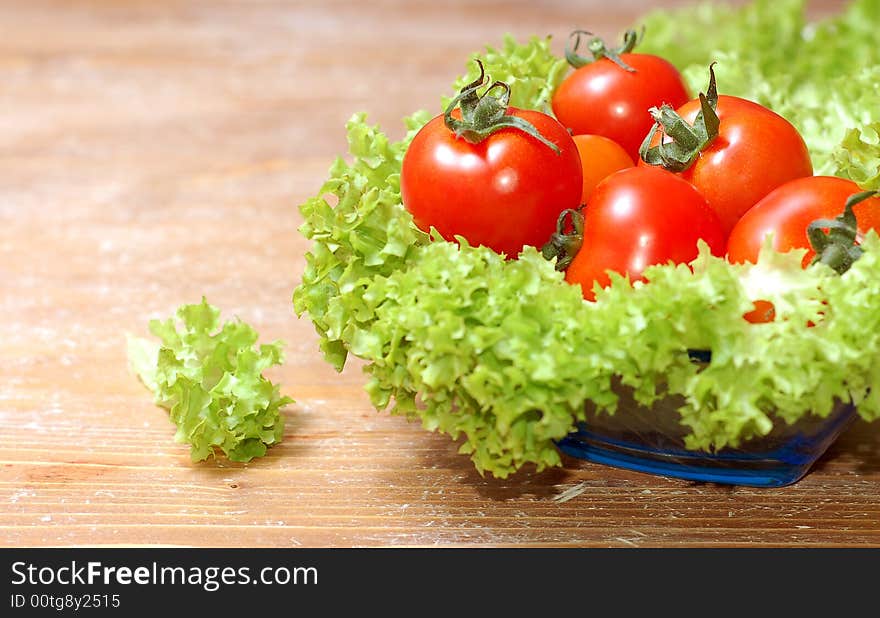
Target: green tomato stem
[(484, 114), (834, 240), (565, 245), (687, 141), (598, 49)]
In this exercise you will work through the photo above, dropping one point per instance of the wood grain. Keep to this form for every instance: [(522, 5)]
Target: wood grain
[(153, 151)]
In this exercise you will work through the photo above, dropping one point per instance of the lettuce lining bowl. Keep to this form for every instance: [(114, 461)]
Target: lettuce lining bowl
[(504, 355), (652, 440)]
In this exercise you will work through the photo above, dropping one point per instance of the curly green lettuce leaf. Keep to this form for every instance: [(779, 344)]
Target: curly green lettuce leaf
[(360, 230), (532, 71), (502, 354), (479, 346), (744, 391), (858, 156), (766, 31), (211, 379), (851, 347)]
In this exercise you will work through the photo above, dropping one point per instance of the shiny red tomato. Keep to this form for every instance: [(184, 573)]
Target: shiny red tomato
[(756, 150), (504, 192), (787, 211), (638, 217), (602, 98)]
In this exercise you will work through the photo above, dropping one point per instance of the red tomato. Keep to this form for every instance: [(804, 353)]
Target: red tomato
[(787, 211), (504, 192), (602, 98), (638, 217), (756, 150), (600, 157)]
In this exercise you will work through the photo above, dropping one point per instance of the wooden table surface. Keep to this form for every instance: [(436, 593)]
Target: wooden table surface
[(153, 151)]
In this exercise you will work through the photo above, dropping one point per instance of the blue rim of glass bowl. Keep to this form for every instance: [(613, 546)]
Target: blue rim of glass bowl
[(756, 463)]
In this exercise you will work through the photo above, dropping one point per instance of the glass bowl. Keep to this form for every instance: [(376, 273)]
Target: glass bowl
[(652, 440)]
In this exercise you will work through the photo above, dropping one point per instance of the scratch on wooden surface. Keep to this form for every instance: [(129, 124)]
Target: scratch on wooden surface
[(629, 542), (571, 492), (634, 540)]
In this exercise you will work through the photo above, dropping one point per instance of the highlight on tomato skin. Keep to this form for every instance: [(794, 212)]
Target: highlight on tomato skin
[(639, 217)]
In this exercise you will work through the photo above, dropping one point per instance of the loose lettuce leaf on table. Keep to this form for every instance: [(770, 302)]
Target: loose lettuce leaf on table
[(211, 379)]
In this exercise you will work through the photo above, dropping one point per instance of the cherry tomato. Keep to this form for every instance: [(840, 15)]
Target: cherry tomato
[(600, 157), (638, 217), (788, 210), (602, 98), (756, 150), (504, 192)]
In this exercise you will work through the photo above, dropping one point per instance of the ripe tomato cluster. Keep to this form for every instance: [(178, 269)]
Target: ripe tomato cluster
[(631, 172)]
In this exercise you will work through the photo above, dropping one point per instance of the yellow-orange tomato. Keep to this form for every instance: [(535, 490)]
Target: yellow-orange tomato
[(600, 157), (764, 311)]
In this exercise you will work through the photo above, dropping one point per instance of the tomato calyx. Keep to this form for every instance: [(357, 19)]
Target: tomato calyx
[(687, 141), (564, 245), (598, 49), (834, 240), (484, 114)]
